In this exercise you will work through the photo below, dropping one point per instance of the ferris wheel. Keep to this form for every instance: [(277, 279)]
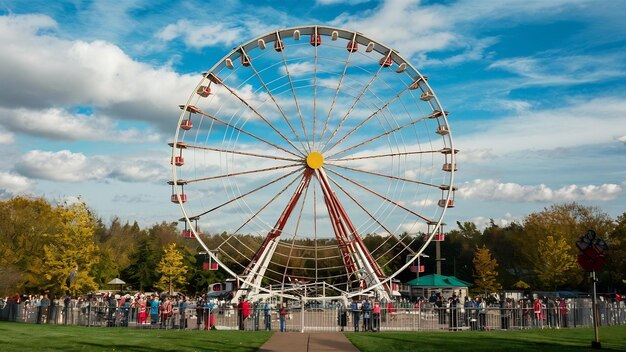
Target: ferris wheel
[(317, 161)]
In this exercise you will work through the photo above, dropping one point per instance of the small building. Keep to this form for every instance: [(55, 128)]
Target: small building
[(424, 286)]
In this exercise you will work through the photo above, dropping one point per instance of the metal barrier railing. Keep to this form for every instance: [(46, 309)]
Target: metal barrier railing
[(424, 318)]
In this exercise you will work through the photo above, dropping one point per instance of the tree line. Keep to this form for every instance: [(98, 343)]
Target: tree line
[(66, 249)]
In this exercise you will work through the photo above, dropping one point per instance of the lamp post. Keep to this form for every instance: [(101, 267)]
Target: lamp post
[(591, 258)]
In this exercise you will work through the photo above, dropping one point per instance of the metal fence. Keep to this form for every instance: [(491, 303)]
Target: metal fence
[(426, 317)]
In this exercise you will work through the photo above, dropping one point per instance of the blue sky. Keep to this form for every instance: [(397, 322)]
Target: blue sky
[(536, 91)]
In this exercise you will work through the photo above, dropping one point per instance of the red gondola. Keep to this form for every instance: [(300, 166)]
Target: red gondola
[(279, 45), (442, 203), (316, 39), (183, 198), (186, 125), (178, 161), (204, 91), (352, 46), (385, 61), (245, 60)]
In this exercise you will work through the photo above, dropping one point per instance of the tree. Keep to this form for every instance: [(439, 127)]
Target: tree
[(69, 255), (615, 266), (556, 265), (561, 221), (485, 273), (172, 270), (24, 227), (141, 272)]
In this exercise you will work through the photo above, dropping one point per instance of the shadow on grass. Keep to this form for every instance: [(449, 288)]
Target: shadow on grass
[(32, 337), (528, 340)]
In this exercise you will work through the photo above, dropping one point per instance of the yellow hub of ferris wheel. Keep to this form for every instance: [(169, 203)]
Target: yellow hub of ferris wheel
[(315, 160)]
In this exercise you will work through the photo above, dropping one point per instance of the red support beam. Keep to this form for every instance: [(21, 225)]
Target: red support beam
[(282, 220), (343, 227)]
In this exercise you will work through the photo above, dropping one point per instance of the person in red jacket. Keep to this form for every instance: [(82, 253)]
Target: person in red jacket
[(538, 313)]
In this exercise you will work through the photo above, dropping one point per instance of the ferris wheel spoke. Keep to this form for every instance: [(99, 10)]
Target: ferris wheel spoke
[(315, 91), (381, 196), (371, 216), (231, 151), (347, 114), (315, 230), (243, 173), (293, 93), (269, 92), (247, 133), (386, 155), (382, 175), (397, 129), (257, 113), (236, 249), (256, 189), (295, 232), (357, 127), (267, 204), (337, 90)]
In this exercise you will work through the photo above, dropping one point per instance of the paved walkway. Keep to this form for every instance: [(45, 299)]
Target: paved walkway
[(308, 342)]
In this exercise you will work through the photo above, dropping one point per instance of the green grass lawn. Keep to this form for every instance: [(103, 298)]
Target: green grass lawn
[(33, 337), (612, 339)]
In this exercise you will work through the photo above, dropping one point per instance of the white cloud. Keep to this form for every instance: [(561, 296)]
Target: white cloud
[(66, 166), (338, 2), (298, 69), (46, 72), (622, 139), (12, 185), (564, 70), (200, 36), (6, 137), (424, 203), (513, 192), (548, 129), (58, 166), (57, 123), (413, 228), (482, 222)]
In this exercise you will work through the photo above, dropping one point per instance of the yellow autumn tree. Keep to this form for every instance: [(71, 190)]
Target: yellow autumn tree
[(68, 254), (485, 274), (172, 270), (556, 264)]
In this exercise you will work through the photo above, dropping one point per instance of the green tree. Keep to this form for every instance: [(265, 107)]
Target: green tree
[(615, 267), (141, 273), (556, 265), (485, 273), (173, 271)]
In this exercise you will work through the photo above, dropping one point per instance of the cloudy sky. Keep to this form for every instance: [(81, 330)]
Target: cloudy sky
[(536, 91)]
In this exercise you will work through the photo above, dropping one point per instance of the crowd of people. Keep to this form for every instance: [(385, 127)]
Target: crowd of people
[(153, 310)]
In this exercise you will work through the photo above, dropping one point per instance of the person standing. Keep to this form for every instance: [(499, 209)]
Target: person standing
[(563, 310), (356, 315), (66, 308), (454, 304), (482, 313), (142, 309), (537, 307), (376, 316), (367, 314), (267, 314), (182, 312), (44, 307), (283, 317), (154, 310), (166, 312)]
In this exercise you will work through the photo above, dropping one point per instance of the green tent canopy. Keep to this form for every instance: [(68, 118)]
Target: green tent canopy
[(435, 280)]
